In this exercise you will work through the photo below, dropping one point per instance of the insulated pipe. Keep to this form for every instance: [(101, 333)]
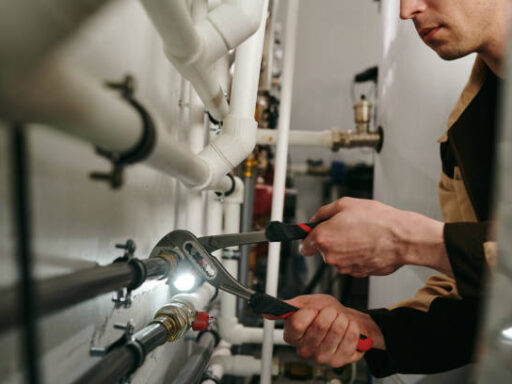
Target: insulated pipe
[(238, 136), (198, 361), (22, 42), (70, 101), (59, 292), (123, 361), (279, 179)]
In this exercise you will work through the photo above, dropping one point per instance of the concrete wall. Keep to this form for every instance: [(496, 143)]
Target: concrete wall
[(417, 90)]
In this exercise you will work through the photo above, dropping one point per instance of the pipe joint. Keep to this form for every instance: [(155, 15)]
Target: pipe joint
[(177, 318)]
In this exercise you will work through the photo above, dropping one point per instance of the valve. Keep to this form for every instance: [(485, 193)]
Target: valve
[(178, 317)]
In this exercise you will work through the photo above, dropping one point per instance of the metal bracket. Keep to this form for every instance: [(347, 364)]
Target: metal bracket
[(126, 337), (140, 151), (123, 296)]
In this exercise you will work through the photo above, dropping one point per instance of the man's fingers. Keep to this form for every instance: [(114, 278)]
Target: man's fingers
[(296, 325), (319, 328), (348, 347), (326, 351), (325, 212)]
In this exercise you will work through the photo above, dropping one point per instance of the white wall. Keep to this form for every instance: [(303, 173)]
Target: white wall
[(417, 91), (77, 222), (336, 39)]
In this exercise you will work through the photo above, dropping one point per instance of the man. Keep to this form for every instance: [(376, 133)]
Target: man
[(435, 331)]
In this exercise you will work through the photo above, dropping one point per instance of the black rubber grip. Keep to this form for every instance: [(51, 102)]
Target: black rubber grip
[(277, 231), (264, 304)]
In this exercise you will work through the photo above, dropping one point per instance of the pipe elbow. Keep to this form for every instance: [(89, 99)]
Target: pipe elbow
[(236, 20), (228, 150), (231, 331)]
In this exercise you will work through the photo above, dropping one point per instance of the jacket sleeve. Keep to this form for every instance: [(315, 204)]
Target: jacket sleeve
[(465, 246), (440, 339)]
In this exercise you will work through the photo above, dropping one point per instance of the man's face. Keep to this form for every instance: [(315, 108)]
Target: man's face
[(452, 28)]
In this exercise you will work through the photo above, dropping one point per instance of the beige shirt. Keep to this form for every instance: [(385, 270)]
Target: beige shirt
[(455, 203)]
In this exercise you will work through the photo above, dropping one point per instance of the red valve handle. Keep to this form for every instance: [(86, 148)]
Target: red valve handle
[(202, 321)]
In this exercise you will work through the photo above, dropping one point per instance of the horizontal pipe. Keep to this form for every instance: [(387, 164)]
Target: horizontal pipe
[(297, 138), (60, 292), (332, 139), (75, 103), (241, 365), (121, 362), (22, 42)]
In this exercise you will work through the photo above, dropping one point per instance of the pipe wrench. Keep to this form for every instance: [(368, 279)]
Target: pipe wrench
[(197, 252)]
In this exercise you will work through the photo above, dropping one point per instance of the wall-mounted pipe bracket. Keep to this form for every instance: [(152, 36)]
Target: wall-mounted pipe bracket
[(123, 297), (140, 151), (127, 336)]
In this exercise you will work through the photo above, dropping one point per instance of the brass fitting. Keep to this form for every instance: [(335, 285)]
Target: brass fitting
[(176, 317), (249, 164), (171, 258)]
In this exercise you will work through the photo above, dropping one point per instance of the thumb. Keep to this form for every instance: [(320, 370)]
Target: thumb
[(325, 212), (299, 301)]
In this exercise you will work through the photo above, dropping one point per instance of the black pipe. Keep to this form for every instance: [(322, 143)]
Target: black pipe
[(59, 292), (26, 291), (123, 361), (197, 362)]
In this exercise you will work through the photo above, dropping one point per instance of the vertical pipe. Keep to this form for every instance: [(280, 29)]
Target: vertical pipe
[(231, 225), (247, 68), (22, 219), (196, 136), (279, 179), (246, 226)]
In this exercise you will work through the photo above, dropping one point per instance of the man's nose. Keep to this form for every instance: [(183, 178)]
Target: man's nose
[(410, 8)]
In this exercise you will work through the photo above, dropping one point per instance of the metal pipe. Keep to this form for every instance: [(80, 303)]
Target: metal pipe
[(122, 362), (279, 180), (59, 292), (197, 362), (246, 226)]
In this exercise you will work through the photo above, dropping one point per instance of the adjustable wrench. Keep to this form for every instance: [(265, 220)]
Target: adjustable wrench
[(196, 251)]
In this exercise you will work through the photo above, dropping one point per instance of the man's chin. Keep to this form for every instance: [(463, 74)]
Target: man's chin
[(449, 54)]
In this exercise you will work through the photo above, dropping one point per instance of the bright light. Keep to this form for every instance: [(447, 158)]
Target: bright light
[(185, 282), (507, 333)]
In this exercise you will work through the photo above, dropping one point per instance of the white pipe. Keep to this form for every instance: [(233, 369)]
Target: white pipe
[(238, 136), (216, 371), (194, 49), (196, 137), (200, 298), (279, 179), (241, 365), (323, 138), (229, 328), (235, 333), (232, 209), (66, 99)]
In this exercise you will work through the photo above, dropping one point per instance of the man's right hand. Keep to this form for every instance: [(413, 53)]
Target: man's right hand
[(364, 237)]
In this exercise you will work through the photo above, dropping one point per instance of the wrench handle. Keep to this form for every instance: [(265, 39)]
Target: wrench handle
[(262, 303), (277, 231)]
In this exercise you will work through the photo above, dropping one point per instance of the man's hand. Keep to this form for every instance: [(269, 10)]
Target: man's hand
[(365, 237), (328, 332)]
